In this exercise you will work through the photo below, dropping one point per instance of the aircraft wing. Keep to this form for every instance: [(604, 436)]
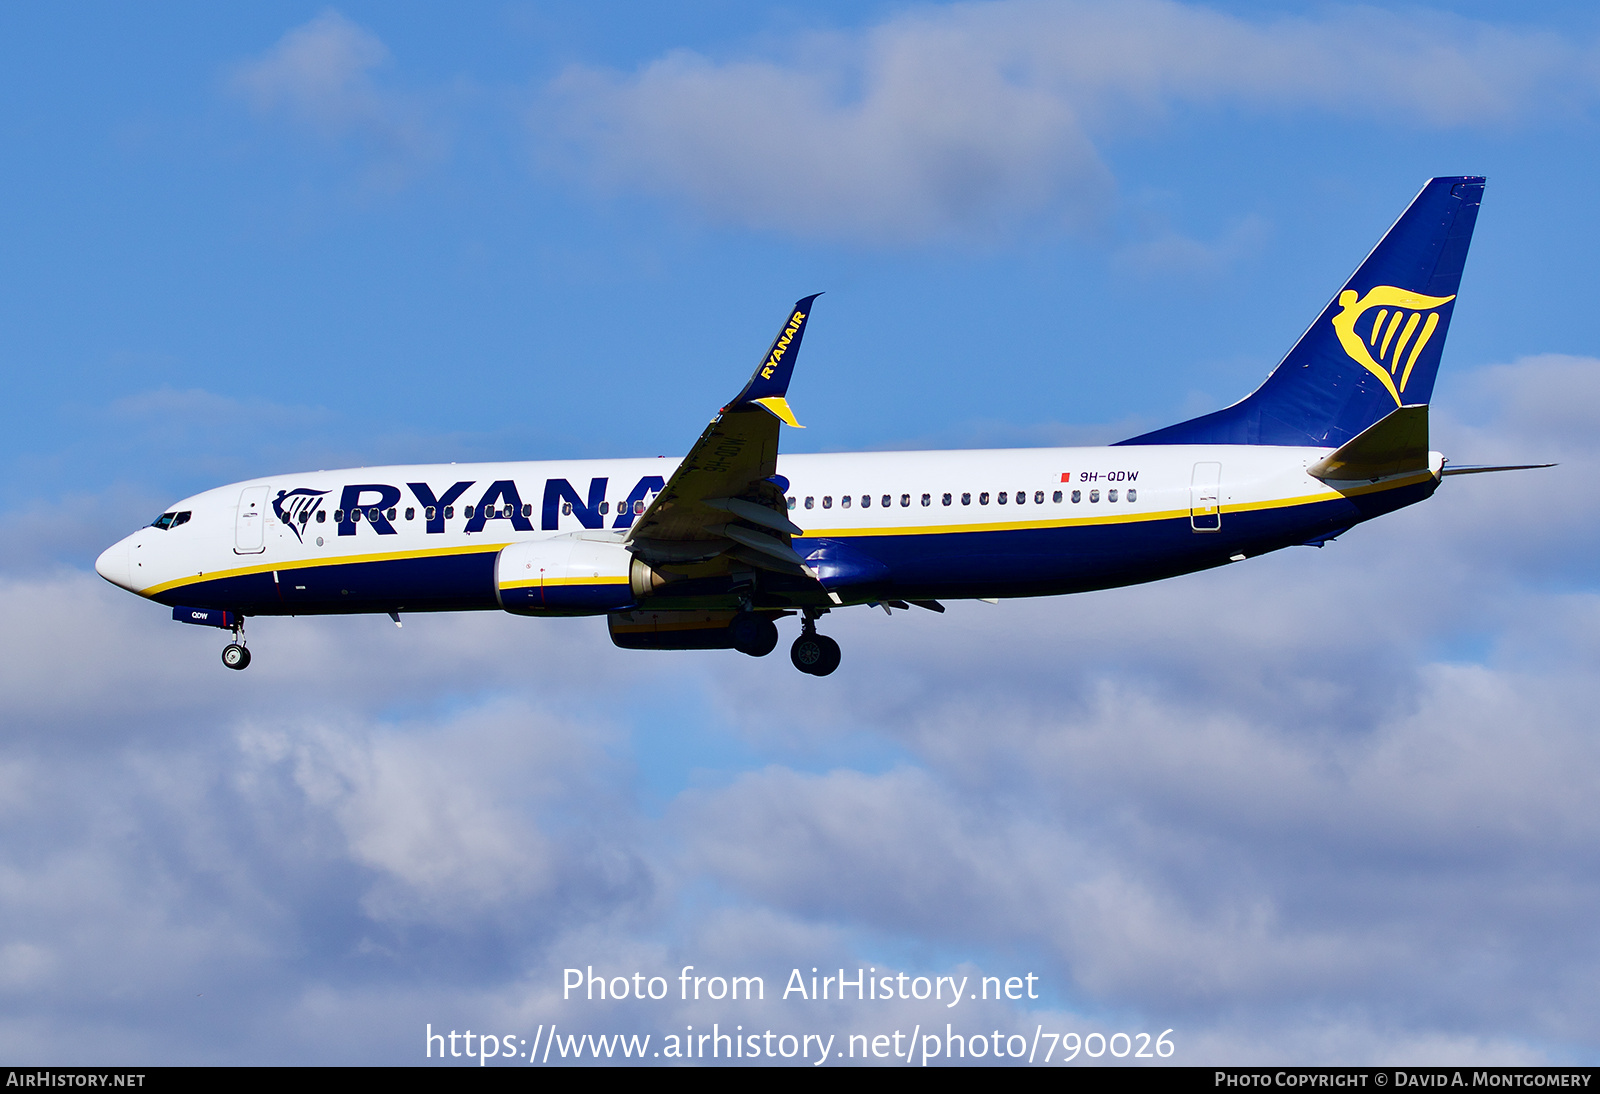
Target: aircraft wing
[(724, 497)]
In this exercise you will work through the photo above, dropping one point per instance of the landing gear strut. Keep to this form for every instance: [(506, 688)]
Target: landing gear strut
[(234, 654), (813, 653)]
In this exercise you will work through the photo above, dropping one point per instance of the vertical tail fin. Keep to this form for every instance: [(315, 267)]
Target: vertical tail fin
[(1373, 349)]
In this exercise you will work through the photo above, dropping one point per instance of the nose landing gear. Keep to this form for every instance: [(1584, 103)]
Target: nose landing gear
[(813, 653), (234, 654)]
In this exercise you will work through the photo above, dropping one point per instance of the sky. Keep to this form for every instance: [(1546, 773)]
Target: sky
[(1328, 806)]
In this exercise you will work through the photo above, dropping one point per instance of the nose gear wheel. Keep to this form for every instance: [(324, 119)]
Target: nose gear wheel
[(234, 654)]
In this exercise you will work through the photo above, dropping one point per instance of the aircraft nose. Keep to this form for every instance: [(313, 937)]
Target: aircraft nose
[(113, 565)]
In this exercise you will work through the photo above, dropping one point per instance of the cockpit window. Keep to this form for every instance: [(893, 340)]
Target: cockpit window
[(171, 520)]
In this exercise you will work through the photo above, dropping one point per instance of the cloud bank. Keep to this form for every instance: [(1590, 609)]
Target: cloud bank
[(1327, 805), (967, 120)]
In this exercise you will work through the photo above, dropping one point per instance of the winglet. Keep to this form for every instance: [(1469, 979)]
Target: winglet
[(770, 384)]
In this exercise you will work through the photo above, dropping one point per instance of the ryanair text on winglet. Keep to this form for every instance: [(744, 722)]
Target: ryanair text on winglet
[(783, 344)]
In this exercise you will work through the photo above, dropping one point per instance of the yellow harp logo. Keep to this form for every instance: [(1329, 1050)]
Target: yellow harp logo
[(1380, 345)]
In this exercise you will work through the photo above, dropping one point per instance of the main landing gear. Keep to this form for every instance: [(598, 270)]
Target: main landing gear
[(234, 654), (814, 653), (757, 636)]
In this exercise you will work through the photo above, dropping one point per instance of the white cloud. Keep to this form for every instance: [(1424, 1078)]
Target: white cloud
[(971, 119), (321, 76), (1165, 252)]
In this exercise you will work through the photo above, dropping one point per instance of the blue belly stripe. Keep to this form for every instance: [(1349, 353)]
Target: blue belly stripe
[(1009, 563)]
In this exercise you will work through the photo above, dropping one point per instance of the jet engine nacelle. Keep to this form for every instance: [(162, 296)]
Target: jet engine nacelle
[(568, 575)]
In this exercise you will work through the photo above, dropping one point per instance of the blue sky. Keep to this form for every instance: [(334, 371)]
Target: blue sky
[(1330, 806)]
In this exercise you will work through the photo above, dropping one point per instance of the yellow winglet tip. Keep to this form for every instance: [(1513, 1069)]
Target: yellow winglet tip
[(778, 406)]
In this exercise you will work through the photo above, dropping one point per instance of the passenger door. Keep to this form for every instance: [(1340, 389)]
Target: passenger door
[(249, 529)]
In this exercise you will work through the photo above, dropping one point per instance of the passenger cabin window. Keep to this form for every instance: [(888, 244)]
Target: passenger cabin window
[(322, 516), (905, 500), (449, 511), (430, 512), (638, 507), (1111, 495), (827, 502), (791, 502), (1038, 497), (303, 516), (390, 514), (811, 503), (844, 502), (866, 501), (1056, 497), (983, 498), (1133, 495), (966, 499), (605, 507), (1003, 497), (945, 499), (1094, 495), (411, 513), (1077, 496), (886, 500), (927, 499), (566, 509)]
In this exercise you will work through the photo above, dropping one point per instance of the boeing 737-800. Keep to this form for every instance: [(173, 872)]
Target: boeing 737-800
[(710, 551)]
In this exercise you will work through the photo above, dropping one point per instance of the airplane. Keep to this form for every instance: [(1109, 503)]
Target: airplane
[(710, 551)]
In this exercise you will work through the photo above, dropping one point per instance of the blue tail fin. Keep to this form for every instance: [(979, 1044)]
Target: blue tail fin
[(1376, 347)]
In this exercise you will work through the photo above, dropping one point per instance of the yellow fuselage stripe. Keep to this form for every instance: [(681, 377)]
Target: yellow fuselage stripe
[(811, 533), (549, 581)]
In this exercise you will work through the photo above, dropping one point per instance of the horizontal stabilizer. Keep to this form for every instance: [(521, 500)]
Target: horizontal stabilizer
[(1394, 445), (1484, 468)]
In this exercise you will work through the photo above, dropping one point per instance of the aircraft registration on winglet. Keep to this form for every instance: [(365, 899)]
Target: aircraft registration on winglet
[(713, 550)]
